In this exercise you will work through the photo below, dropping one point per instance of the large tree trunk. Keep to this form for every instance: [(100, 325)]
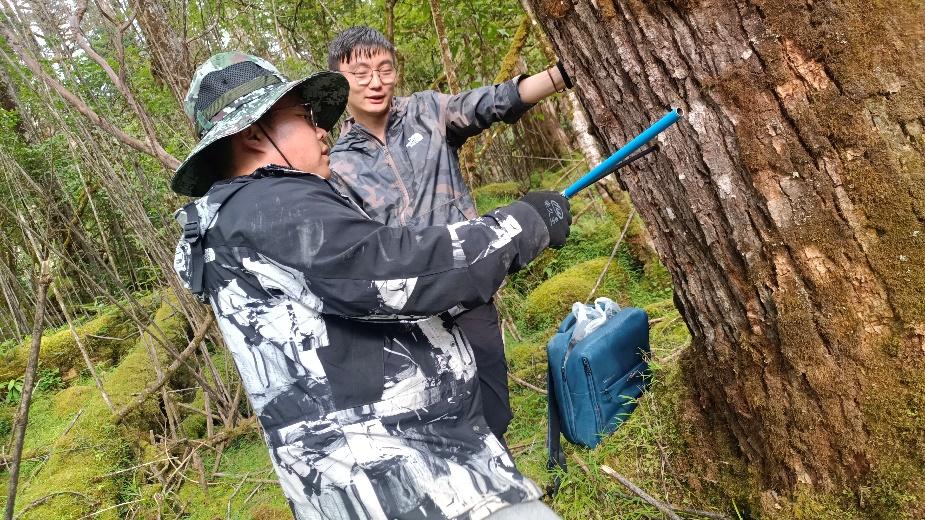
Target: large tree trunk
[(789, 208)]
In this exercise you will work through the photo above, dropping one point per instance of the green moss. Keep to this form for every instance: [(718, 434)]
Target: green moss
[(551, 301), (527, 360), (498, 189), (895, 490), (59, 349), (491, 196), (84, 447), (194, 426), (247, 456)]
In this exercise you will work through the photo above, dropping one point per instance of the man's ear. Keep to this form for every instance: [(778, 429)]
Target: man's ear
[(250, 140)]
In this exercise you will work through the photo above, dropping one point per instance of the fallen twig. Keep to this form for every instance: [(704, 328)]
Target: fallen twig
[(521, 382), (519, 448), (246, 426), (245, 478), (72, 423), (174, 366), (670, 322), (254, 492), (98, 336), (39, 501), (658, 504), (629, 220), (523, 444), (233, 494), (675, 354), (100, 511), (697, 512), (581, 463), (125, 470)]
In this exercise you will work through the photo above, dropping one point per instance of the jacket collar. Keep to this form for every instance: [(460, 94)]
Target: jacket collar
[(269, 170)]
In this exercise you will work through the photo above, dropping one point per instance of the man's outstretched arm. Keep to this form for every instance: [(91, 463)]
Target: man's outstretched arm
[(468, 113), (541, 85), (357, 267)]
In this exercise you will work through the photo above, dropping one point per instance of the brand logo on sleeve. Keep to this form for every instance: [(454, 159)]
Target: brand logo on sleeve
[(414, 139)]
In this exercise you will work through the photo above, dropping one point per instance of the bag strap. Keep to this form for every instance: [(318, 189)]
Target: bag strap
[(555, 453), (194, 237)]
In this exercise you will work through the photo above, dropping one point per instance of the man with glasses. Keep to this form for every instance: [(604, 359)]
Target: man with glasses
[(398, 158), (365, 390)]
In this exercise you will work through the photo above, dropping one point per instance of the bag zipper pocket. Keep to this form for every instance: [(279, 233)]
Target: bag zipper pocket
[(567, 403), (592, 388)]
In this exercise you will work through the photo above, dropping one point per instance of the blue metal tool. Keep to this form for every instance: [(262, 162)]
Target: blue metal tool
[(614, 161)]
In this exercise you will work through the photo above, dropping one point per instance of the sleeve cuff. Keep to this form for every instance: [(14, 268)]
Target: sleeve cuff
[(512, 95)]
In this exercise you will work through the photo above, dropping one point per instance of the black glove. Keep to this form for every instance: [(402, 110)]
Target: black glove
[(556, 214), (565, 77)]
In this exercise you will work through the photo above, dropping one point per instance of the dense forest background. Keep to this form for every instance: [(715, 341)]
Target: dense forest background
[(136, 410)]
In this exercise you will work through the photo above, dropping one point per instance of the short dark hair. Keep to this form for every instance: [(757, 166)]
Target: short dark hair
[(356, 41)]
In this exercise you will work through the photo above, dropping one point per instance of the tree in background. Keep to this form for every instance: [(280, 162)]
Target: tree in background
[(788, 207)]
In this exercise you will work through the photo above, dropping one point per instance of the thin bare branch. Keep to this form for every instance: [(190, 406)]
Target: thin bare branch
[(658, 504), (174, 366), (120, 81), (22, 415), (523, 383), (167, 160)]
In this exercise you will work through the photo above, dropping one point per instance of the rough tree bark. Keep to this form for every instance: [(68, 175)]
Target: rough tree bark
[(788, 207)]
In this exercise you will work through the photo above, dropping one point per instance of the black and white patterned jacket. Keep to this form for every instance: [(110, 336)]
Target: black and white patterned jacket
[(337, 324)]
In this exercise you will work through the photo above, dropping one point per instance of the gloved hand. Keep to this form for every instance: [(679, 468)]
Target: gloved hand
[(556, 214)]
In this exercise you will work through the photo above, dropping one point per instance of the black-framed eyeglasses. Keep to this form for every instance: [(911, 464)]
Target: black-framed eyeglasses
[(364, 75), (308, 115)]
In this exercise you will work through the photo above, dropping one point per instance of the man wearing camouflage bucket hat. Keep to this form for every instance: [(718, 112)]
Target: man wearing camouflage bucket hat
[(233, 90), (340, 326)]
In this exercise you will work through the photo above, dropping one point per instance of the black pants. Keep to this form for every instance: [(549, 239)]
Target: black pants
[(483, 330)]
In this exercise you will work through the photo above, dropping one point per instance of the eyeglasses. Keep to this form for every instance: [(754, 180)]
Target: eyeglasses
[(364, 75), (308, 115)]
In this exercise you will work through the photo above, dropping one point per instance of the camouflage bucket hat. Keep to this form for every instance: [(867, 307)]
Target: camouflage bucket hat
[(231, 91)]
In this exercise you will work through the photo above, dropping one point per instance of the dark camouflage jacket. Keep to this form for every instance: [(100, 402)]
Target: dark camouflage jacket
[(413, 178), (366, 391)]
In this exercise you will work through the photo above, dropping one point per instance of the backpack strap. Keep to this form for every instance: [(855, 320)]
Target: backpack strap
[(555, 453), (193, 236)]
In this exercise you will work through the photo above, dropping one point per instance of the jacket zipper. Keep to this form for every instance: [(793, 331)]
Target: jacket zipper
[(401, 183), (391, 163)]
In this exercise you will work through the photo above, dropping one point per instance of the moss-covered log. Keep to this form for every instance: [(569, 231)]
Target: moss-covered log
[(788, 208), (107, 337)]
